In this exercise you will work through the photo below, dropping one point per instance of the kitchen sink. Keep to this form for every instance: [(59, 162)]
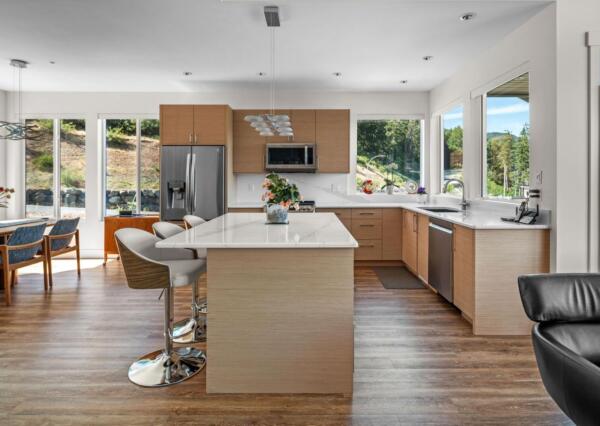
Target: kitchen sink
[(440, 209)]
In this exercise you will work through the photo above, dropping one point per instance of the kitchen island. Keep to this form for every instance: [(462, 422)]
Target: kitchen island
[(280, 303)]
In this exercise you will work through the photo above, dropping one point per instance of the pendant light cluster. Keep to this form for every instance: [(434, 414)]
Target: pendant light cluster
[(271, 124), (18, 130)]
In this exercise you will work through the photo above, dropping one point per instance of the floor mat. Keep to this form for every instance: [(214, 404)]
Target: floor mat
[(397, 277)]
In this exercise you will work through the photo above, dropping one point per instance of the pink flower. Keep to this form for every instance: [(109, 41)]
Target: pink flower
[(266, 183)]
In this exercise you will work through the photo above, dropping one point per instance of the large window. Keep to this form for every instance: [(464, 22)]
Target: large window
[(506, 153), (58, 147), (452, 149), (132, 178), (389, 150)]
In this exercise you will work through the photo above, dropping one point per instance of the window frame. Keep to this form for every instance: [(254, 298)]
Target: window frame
[(383, 117), (56, 161), (138, 163), (484, 127), (442, 141)]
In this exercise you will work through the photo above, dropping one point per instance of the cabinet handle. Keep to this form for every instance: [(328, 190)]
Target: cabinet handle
[(195, 138), (367, 226), (367, 214), (414, 223), (368, 245)]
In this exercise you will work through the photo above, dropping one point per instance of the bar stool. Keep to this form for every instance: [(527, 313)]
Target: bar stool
[(191, 221), (143, 270), (190, 330)]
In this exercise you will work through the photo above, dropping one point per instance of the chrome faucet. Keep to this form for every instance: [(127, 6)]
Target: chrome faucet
[(464, 203)]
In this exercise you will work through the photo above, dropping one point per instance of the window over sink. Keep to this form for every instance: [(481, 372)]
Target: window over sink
[(389, 153)]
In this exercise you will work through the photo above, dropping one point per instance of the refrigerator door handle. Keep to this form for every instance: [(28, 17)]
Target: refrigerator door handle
[(187, 183), (193, 181)]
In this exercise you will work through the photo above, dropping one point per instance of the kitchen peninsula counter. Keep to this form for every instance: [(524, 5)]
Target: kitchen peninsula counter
[(280, 303)]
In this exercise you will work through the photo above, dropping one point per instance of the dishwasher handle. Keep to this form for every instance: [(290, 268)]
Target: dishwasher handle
[(441, 228)]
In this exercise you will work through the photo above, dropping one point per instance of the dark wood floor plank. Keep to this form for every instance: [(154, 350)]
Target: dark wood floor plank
[(64, 358)]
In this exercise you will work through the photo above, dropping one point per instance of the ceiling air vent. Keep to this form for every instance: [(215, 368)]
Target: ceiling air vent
[(272, 16)]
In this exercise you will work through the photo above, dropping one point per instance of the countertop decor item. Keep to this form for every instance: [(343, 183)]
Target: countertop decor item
[(368, 186), (422, 196), (279, 195), (5, 194)]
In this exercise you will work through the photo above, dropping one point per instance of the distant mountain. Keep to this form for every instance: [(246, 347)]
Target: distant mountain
[(496, 135)]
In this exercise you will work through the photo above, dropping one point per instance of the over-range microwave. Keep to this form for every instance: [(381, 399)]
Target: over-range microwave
[(291, 157)]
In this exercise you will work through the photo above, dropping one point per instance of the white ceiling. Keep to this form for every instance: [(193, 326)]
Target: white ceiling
[(146, 45)]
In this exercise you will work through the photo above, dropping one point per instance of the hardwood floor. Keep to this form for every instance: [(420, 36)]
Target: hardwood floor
[(64, 358)]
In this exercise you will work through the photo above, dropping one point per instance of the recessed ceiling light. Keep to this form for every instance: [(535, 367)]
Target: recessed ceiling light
[(427, 58), (262, 74), (186, 73), (469, 16), (403, 81), (337, 74), (52, 62)]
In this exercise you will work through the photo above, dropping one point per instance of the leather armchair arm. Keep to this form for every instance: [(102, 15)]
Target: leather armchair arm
[(561, 297)]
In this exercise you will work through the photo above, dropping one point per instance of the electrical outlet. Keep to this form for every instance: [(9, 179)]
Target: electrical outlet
[(539, 177)]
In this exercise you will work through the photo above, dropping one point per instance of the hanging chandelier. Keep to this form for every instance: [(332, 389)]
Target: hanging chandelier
[(18, 130), (271, 124)]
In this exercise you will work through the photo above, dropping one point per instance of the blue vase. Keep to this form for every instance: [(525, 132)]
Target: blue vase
[(277, 214)]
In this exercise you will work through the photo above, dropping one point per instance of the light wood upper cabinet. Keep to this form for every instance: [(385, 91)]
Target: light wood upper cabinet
[(464, 270), (248, 145), (195, 124), (210, 124), (280, 139), (392, 234), (423, 247), (304, 125), (176, 124), (409, 240), (333, 140)]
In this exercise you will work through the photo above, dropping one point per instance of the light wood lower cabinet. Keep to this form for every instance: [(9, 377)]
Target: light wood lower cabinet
[(464, 270), (409, 240), (391, 228), (344, 215), (423, 247), (368, 250)]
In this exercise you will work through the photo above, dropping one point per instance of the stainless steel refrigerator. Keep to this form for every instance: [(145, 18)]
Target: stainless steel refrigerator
[(192, 181)]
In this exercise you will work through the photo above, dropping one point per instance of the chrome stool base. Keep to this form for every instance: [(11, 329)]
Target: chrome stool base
[(190, 330), (158, 369)]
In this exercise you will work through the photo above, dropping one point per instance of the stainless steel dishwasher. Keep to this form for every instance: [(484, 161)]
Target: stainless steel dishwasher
[(440, 257)]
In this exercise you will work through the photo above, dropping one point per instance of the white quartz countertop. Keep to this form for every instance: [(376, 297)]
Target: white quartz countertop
[(475, 217), (249, 230)]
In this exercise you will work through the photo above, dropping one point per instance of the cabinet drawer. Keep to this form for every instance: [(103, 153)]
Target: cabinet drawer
[(340, 213), (366, 213), (368, 250), (366, 229)]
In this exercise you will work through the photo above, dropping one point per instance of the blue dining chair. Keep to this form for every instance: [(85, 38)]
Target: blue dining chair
[(58, 241), (24, 247)]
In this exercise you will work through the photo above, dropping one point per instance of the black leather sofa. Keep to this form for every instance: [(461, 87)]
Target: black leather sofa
[(566, 339)]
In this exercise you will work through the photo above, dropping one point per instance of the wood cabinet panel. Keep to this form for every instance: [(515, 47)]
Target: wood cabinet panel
[(304, 124), (464, 270), (333, 140), (366, 213), (423, 247), (210, 124), (409, 240), (366, 229), (391, 234), (280, 139), (176, 124), (114, 223), (248, 145), (368, 250)]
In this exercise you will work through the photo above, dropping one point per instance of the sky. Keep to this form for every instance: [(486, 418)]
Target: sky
[(502, 114)]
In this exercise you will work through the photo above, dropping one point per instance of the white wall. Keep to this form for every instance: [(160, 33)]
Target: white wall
[(574, 19), (531, 48), (92, 105)]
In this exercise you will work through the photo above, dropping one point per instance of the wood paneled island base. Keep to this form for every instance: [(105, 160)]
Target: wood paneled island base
[(280, 320)]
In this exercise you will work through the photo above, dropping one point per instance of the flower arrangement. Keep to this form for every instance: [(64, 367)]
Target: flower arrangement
[(5, 194), (280, 191), (421, 190), (368, 186)]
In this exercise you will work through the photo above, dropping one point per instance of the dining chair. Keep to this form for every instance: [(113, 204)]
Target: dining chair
[(148, 267), (58, 241), (22, 249), (190, 221), (166, 229)]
